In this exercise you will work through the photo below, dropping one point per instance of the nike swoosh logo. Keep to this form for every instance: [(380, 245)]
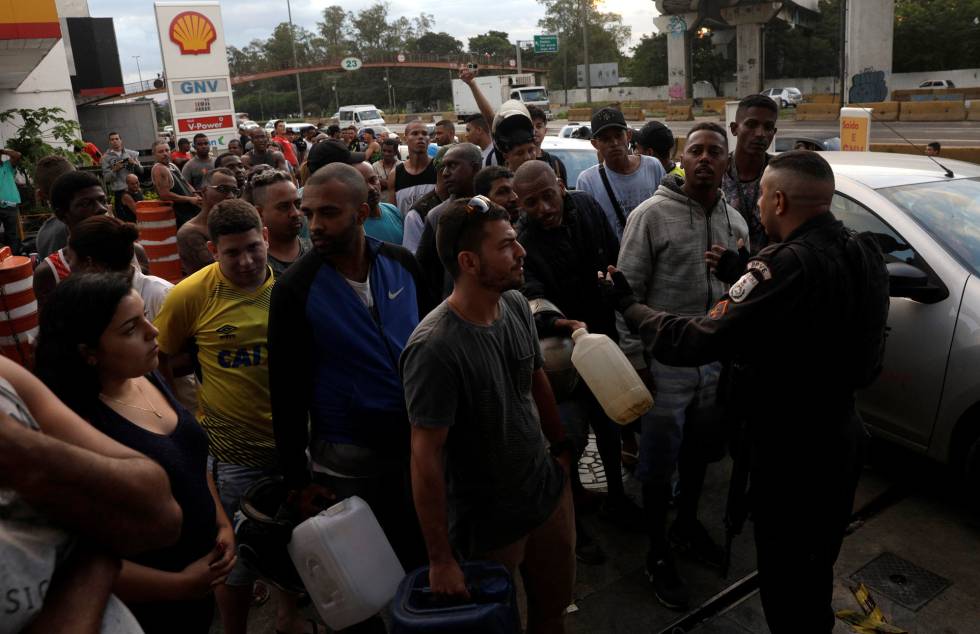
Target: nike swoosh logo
[(396, 293)]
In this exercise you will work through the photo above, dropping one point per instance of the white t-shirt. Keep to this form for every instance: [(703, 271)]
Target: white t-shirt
[(630, 189), (363, 290), (152, 289)]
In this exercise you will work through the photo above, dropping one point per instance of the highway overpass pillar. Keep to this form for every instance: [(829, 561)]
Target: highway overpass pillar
[(749, 21), (868, 48), (679, 71)]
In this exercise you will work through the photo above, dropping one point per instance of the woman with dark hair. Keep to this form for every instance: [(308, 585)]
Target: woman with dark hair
[(98, 353)]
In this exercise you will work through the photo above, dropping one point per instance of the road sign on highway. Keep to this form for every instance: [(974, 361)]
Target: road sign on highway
[(545, 43), (350, 63)]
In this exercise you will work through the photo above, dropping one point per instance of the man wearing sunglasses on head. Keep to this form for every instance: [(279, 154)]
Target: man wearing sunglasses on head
[(192, 237), (485, 484)]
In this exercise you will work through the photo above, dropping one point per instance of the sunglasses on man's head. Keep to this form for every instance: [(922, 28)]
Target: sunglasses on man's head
[(478, 204)]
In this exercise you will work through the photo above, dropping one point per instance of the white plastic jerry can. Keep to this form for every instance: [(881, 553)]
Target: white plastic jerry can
[(610, 376), (346, 563)]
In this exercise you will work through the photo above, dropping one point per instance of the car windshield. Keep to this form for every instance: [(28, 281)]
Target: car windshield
[(576, 161), (949, 210), (367, 115), (539, 94)]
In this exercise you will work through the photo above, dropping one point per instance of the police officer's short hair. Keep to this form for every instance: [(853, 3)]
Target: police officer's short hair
[(804, 163)]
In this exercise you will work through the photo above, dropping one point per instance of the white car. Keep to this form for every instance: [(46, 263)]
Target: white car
[(578, 155), (785, 97), (937, 83), (573, 130), (928, 223)]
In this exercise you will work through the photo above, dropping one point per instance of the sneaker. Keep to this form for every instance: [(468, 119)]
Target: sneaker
[(623, 513), (693, 540), (587, 549), (668, 587)]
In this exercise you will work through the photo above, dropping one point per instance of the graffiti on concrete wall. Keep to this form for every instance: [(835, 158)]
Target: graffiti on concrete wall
[(677, 26), (676, 91), (868, 86)]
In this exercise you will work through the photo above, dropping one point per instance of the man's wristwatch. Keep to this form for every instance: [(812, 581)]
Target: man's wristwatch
[(558, 448)]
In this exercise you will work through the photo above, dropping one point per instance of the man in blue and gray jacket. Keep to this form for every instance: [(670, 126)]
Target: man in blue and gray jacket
[(339, 319)]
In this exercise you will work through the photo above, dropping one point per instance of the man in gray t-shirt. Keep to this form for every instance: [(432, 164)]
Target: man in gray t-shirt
[(480, 405), (200, 164), (630, 178)]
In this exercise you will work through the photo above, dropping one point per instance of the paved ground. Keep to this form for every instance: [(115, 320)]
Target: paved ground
[(926, 520)]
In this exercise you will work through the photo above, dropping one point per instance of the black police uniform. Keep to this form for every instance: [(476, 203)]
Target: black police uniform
[(791, 323)]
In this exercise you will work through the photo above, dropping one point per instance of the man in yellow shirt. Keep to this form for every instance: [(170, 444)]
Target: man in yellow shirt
[(223, 309)]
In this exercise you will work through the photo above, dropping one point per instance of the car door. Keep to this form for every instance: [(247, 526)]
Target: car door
[(903, 402)]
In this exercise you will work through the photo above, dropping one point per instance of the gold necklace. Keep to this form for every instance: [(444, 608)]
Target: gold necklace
[(151, 410)]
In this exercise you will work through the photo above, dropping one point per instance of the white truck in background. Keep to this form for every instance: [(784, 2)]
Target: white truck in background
[(498, 89)]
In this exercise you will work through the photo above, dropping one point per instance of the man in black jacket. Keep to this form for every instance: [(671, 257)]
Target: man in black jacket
[(567, 236)]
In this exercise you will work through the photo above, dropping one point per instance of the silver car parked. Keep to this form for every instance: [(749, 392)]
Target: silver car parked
[(785, 97), (928, 222)]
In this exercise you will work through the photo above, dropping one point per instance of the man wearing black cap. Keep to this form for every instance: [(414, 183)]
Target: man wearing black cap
[(623, 180), (331, 151), (513, 135), (656, 140)]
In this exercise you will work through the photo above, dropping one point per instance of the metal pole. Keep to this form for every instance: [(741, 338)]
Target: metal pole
[(520, 67), (585, 51), (292, 39), (138, 71), (391, 103)]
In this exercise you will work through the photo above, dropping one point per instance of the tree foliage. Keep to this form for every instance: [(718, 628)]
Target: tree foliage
[(648, 66), (935, 35), (37, 126), (608, 37)]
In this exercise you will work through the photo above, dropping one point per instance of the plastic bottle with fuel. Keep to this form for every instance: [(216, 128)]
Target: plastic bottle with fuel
[(610, 376)]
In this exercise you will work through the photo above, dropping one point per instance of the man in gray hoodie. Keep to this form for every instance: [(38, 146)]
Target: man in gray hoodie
[(662, 256)]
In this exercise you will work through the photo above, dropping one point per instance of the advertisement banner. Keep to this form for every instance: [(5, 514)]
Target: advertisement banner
[(195, 64)]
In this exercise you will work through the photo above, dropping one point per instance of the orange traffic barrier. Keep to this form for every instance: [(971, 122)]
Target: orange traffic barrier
[(158, 236), (18, 308)]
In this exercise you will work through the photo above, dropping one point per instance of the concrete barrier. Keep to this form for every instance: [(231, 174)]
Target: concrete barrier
[(580, 114), (680, 113), (971, 92), (817, 112), (822, 99), (932, 111), (633, 114), (968, 154), (881, 110), (973, 114), (449, 116), (714, 105)]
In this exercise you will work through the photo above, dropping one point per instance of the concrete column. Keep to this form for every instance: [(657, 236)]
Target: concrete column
[(868, 49), (677, 28), (748, 22)]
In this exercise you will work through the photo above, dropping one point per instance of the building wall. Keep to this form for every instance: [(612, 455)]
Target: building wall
[(48, 85), (808, 85)]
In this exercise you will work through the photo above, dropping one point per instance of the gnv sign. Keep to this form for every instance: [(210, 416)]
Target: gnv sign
[(198, 86)]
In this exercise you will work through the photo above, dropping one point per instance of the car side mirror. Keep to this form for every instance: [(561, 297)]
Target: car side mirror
[(911, 282)]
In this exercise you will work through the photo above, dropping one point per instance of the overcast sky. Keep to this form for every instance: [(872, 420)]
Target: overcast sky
[(246, 20)]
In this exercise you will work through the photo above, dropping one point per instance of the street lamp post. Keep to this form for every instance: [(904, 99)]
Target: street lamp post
[(585, 52), (138, 71), (292, 40)]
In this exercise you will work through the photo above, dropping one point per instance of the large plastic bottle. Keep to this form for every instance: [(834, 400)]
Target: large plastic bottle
[(610, 376), (346, 563)]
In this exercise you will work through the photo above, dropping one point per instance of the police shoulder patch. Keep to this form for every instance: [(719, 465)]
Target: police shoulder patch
[(741, 289), (761, 267)]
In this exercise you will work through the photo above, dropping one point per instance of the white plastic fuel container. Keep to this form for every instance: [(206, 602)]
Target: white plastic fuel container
[(346, 563), (610, 376)]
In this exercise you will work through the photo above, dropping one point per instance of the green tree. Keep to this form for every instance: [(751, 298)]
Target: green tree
[(805, 51), (492, 43), (936, 35), (608, 36), (436, 44), (648, 67), (711, 65), (35, 126)]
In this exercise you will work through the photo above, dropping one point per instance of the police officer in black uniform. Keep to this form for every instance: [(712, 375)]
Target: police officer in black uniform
[(804, 326)]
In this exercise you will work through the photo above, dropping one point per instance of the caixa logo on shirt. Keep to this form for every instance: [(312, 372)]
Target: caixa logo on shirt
[(241, 357)]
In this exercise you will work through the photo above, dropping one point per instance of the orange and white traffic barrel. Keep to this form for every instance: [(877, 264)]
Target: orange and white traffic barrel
[(157, 226), (18, 308)]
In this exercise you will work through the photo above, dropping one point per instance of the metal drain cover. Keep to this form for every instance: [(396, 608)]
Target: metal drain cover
[(901, 581)]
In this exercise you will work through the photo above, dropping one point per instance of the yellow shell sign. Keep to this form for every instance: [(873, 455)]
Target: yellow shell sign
[(193, 32)]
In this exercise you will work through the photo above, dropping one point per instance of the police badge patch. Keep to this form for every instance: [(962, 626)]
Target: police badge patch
[(741, 289)]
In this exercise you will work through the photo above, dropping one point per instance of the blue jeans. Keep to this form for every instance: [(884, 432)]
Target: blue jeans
[(231, 481), (680, 393)]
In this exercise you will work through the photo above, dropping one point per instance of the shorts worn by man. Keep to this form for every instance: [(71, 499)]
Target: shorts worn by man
[(478, 400)]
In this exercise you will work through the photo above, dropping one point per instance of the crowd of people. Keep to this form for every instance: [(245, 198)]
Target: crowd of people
[(359, 324)]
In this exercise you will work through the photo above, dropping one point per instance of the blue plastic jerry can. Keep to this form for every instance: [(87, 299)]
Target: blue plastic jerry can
[(491, 608)]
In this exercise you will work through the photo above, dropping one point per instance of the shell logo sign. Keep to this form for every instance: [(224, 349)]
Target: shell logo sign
[(193, 33)]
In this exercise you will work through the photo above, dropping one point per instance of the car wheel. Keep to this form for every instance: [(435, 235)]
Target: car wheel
[(783, 103)]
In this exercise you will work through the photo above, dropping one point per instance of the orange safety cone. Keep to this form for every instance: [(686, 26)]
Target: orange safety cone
[(157, 226), (18, 308)]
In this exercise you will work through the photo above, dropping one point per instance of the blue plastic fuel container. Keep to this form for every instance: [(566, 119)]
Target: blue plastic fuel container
[(491, 608)]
